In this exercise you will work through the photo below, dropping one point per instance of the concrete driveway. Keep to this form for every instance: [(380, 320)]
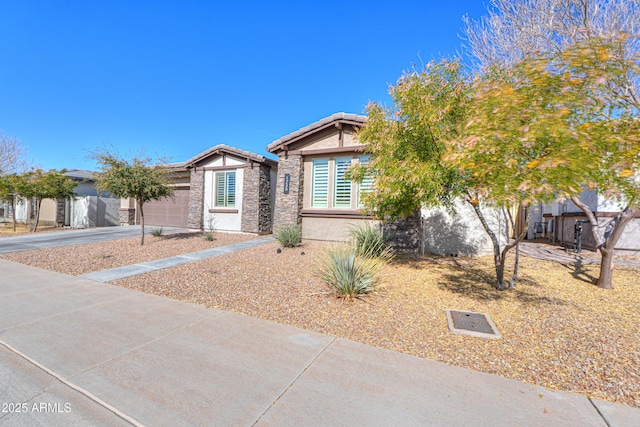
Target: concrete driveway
[(78, 352), (27, 242)]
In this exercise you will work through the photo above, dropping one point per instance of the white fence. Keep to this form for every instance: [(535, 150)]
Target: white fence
[(80, 212)]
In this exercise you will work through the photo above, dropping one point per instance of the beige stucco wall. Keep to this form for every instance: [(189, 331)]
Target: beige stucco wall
[(462, 233), (330, 141), (348, 139), (331, 229), (333, 141)]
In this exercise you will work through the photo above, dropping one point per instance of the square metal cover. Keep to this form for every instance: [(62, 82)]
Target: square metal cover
[(470, 323)]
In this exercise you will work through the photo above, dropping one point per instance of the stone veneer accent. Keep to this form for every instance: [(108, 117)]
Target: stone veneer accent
[(256, 206), (405, 235), (196, 199), (127, 216), (60, 212), (289, 206)]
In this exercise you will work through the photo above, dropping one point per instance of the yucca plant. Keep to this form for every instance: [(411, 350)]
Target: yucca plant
[(368, 242), (156, 232), (289, 236), (350, 275)]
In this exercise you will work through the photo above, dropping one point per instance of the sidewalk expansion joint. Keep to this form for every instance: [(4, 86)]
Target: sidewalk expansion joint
[(295, 380), (598, 411), (69, 384)]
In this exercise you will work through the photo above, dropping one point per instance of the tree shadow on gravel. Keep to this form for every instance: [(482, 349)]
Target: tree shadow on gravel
[(472, 282), (578, 272), (481, 286), (180, 236), (418, 262)]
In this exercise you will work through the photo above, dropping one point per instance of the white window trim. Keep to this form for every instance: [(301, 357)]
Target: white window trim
[(225, 202)]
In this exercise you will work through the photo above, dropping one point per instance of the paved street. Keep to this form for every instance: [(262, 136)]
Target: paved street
[(27, 242)]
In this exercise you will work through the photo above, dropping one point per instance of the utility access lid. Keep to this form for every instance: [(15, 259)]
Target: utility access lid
[(470, 323)]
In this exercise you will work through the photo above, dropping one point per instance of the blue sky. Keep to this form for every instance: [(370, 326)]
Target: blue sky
[(177, 77)]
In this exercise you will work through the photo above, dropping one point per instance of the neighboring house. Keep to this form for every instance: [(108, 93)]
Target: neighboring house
[(223, 187), (86, 209), (557, 222)]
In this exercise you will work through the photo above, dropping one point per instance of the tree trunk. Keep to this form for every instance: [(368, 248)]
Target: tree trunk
[(605, 280), (507, 213), (514, 277), (606, 244), (141, 223), (499, 258), (13, 212), (499, 261), (38, 205)]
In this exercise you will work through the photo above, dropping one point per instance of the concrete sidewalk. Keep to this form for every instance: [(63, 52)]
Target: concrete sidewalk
[(77, 352), (158, 264)]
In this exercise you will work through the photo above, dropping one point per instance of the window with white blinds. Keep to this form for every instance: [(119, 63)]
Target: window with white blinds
[(225, 189), (342, 185), (320, 183), (366, 185)]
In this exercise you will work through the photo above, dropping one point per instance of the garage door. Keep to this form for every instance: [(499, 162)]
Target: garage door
[(168, 212)]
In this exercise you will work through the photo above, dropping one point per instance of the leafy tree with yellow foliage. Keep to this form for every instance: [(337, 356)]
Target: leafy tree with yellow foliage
[(554, 125), (408, 143)]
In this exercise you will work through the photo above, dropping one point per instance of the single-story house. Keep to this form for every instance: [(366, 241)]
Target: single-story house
[(224, 188), (312, 190), (231, 189)]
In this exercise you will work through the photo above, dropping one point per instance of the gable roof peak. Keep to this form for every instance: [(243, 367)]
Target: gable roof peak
[(351, 118), (238, 152)]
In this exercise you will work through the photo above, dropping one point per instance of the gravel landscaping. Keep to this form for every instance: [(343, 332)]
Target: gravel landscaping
[(558, 330), (91, 257)]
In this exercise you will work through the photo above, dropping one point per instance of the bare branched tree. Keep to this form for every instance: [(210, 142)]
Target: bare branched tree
[(514, 30), (12, 155)]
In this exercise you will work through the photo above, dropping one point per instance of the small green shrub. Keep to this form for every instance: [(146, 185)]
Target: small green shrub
[(156, 232), (350, 275), (209, 237), (369, 242), (289, 236)]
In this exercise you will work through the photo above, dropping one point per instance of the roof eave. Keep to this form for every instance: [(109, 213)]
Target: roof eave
[(342, 118)]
